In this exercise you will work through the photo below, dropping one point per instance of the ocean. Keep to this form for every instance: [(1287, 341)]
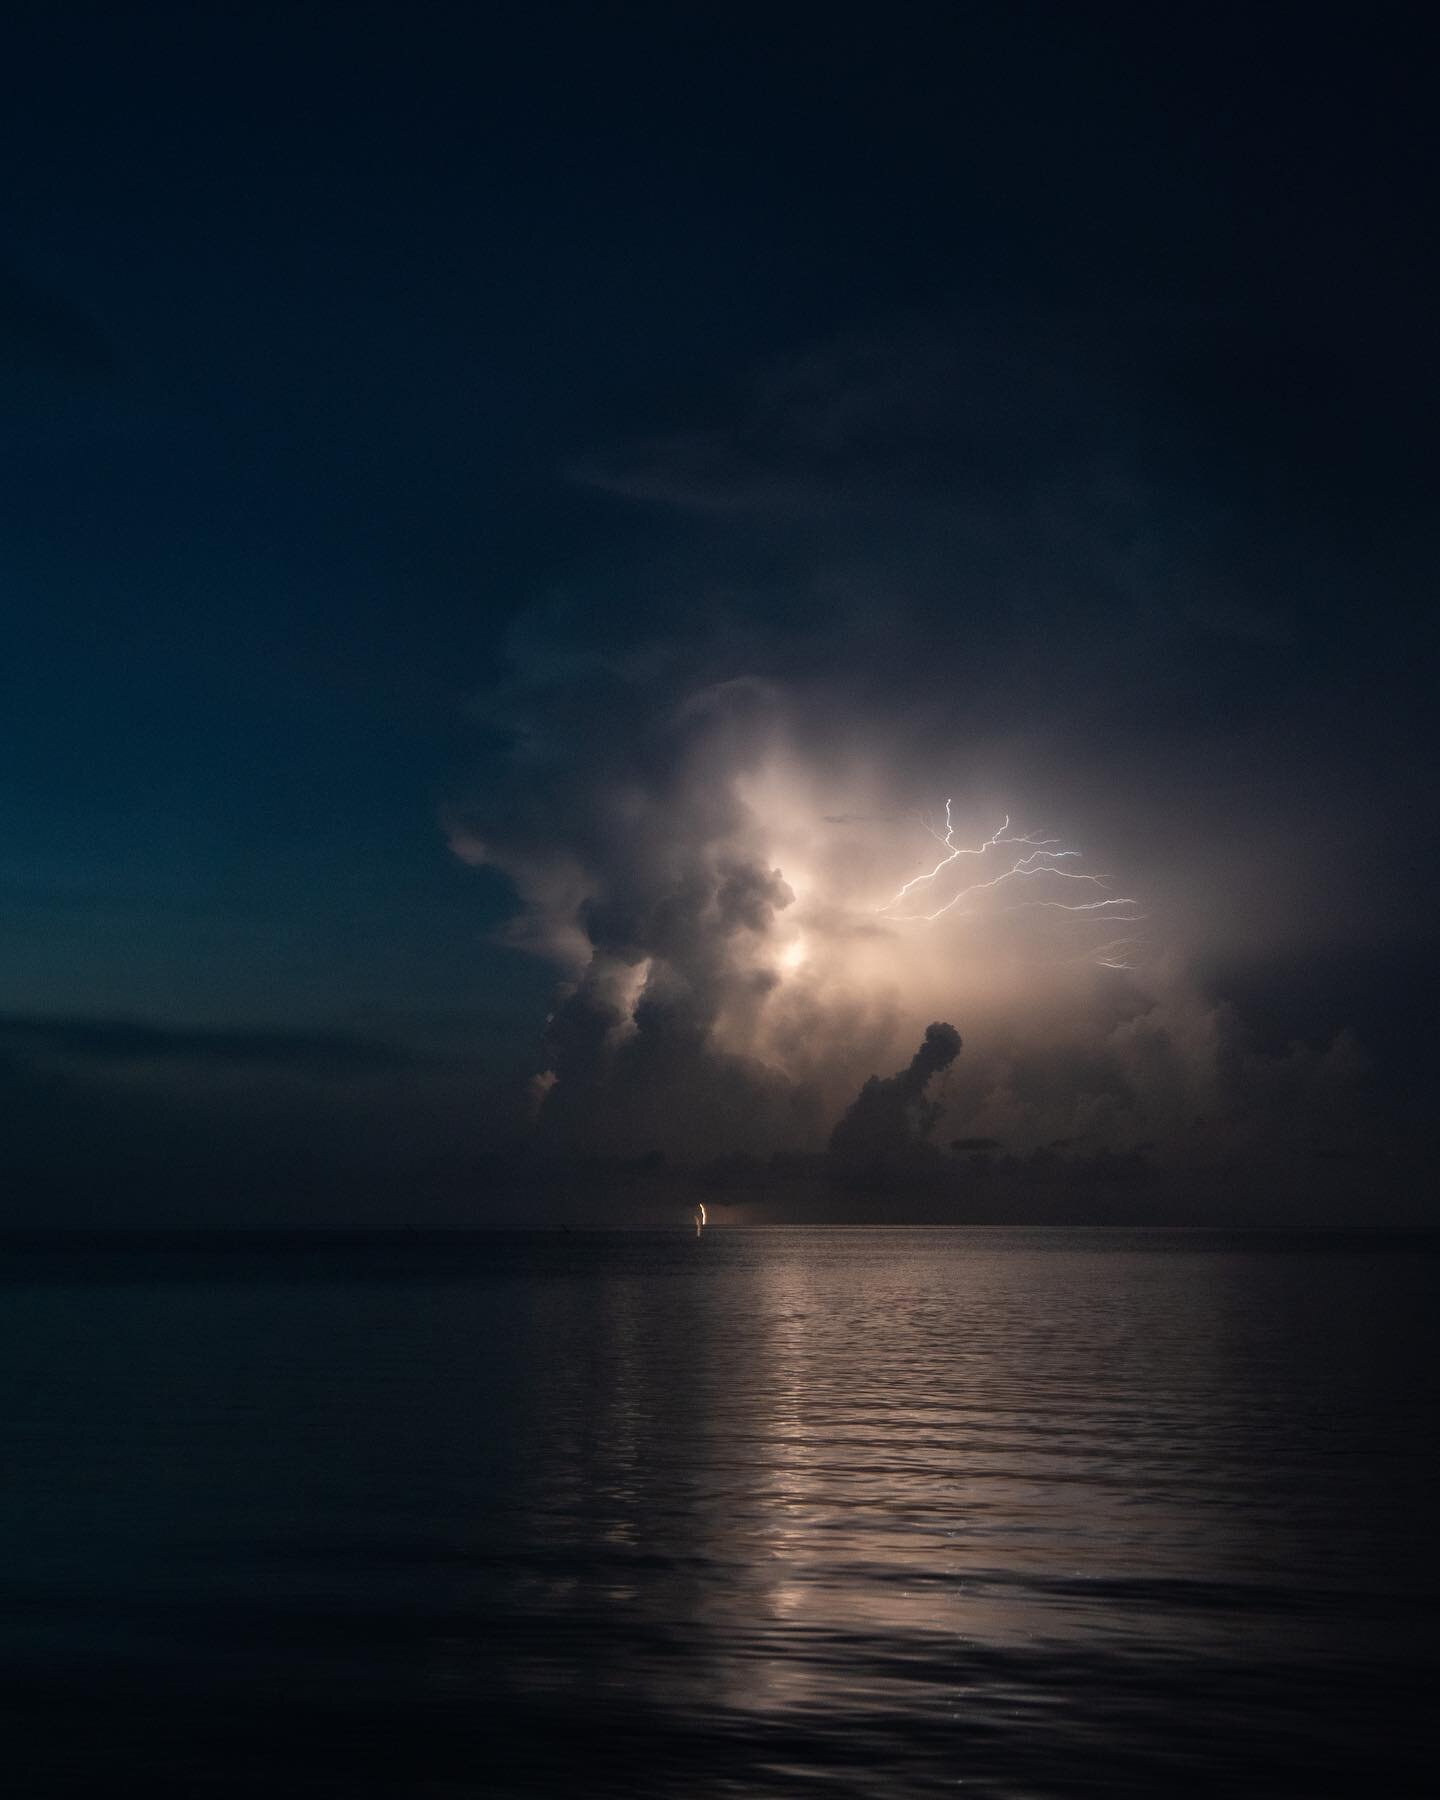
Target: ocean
[(813, 1511)]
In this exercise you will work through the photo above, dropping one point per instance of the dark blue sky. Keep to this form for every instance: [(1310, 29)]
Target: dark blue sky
[(317, 323)]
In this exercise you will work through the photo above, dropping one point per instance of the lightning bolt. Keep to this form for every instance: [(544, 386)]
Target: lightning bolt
[(1041, 857), (1114, 955)]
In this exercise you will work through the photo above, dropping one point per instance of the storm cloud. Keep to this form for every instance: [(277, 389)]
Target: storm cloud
[(931, 566), (885, 1132)]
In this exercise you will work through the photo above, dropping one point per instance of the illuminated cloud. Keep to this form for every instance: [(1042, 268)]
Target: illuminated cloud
[(719, 878), (917, 727)]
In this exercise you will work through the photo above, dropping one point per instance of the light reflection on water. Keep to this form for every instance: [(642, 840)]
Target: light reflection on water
[(850, 1512)]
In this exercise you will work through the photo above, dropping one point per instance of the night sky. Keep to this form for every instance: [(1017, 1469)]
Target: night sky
[(498, 497)]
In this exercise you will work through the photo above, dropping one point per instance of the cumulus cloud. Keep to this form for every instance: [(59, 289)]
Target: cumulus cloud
[(646, 877), (918, 571), (884, 1134), (730, 976)]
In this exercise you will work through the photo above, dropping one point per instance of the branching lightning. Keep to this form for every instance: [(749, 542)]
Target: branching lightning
[(1116, 954), (1041, 858)]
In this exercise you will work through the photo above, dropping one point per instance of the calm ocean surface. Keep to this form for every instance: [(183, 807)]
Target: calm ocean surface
[(813, 1511)]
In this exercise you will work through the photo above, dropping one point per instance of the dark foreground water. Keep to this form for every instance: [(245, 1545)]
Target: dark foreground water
[(842, 1512)]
